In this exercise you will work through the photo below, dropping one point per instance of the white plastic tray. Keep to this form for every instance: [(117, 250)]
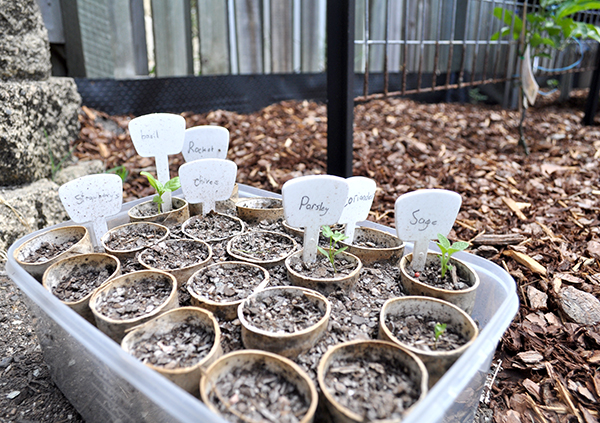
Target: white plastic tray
[(106, 384)]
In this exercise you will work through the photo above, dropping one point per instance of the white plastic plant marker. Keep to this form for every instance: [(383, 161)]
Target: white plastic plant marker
[(93, 198), (207, 181), (158, 135), (361, 192), (422, 215), (205, 142), (310, 202)]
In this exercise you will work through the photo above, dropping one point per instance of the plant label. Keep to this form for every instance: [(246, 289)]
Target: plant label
[(310, 202), (158, 135), (421, 215), (93, 198), (361, 192), (207, 181), (205, 142)]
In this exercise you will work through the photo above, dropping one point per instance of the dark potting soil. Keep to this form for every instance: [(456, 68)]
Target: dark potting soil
[(213, 226), (321, 268), (375, 388), (184, 345), (418, 331), (134, 300), (47, 251), (362, 240), (175, 254), (150, 209), (81, 281), (264, 246), (225, 284), (432, 275), (256, 394), (134, 236), (130, 264), (282, 312)]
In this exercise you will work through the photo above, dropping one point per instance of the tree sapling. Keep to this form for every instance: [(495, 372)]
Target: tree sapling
[(447, 251), (171, 185), (334, 238)]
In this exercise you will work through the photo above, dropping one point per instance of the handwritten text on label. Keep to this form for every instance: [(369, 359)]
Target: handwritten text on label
[(305, 202), (199, 150), (204, 181), (358, 197), (423, 223), (151, 136), (81, 198)]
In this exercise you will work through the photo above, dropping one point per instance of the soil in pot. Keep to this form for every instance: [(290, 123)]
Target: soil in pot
[(47, 251), (282, 312), (82, 280), (226, 283), (134, 236), (184, 345), (256, 394), (212, 227), (150, 208), (419, 331), (321, 268), (261, 246), (375, 387), (175, 255), (432, 276)]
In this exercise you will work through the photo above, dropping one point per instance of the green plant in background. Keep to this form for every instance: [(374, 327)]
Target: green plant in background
[(547, 26), (334, 238), (438, 330), (447, 251), (121, 171), (476, 96), (172, 185)]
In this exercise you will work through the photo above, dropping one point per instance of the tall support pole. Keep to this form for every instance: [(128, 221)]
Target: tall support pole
[(591, 105), (340, 86)]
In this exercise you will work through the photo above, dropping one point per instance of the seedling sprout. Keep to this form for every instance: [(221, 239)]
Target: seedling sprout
[(334, 238), (447, 251), (172, 185), (438, 330)]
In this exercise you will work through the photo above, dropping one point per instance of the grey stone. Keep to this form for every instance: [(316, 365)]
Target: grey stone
[(79, 169), (582, 307), (36, 118), (27, 209), (24, 48)]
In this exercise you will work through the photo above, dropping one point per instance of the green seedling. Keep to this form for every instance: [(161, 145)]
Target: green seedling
[(171, 186), (334, 238), (447, 251), (438, 330), (121, 171)]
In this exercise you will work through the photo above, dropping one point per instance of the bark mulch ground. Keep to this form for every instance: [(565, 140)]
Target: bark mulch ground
[(536, 216)]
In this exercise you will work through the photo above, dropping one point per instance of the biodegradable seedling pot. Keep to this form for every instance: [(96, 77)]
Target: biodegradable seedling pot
[(223, 206), (437, 361), (264, 248), (148, 212), (115, 327), (371, 245), (324, 285), (201, 228), (379, 352), (186, 376), (257, 361), (40, 252), (153, 258), (258, 209), (64, 271), (464, 298), (221, 273), (282, 342), (155, 233)]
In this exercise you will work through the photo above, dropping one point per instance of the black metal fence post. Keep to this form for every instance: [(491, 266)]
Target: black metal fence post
[(591, 105), (340, 86)]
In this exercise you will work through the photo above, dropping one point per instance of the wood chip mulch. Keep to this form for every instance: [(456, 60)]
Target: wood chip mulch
[(536, 216)]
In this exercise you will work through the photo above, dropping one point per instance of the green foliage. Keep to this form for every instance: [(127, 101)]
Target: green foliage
[(476, 96), (171, 186), (438, 330), (55, 166), (334, 238), (549, 25), (121, 171), (447, 251)]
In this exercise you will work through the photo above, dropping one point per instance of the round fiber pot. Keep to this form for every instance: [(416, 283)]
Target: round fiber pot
[(223, 206), (148, 212), (258, 209), (324, 285), (284, 342), (464, 298), (437, 361), (55, 244), (185, 374), (213, 227), (147, 281), (245, 278), (372, 245), (60, 276), (152, 233), (197, 252), (357, 357), (264, 248), (254, 361)]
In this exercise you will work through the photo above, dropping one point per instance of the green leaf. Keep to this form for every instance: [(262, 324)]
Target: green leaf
[(153, 182), (443, 241), (327, 232), (323, 251), (338, 236), (339, 250), (570, 7), (460, 245), (173, 185), (439, 329)]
